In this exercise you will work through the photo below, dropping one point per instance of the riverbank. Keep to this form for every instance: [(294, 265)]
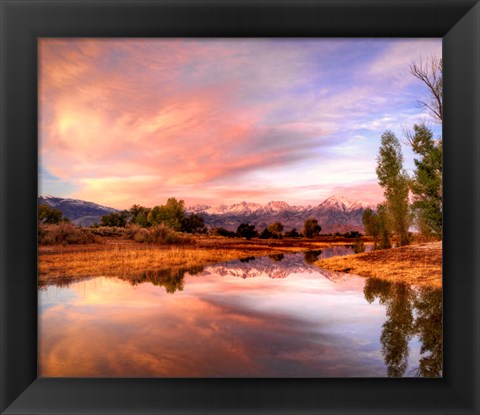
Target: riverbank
[(419, 265), (123, 258)]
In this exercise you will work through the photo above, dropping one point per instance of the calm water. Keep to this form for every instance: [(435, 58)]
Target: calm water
[(275, 316)]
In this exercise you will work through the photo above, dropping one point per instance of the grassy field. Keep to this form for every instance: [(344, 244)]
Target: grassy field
[(415, 264)]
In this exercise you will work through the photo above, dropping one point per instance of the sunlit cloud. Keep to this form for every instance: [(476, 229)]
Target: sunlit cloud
[(126, 121)]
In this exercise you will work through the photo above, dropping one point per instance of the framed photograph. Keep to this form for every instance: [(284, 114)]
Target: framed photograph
[(240, 207)]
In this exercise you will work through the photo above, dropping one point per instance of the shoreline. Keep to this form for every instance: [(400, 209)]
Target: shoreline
[(419, 265)]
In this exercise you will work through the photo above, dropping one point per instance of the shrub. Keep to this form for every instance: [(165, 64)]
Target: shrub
[(114, 219), (247, 231), (108, 231), (292, 234), (352, 234), (222, 232), (266, 234), (159, 234), (65, 233)]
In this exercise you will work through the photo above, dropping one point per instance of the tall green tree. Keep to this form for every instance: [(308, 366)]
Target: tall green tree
[(138, 215), (395, 183), (172, 214), (370, 223), (426, 185), (383, 223)]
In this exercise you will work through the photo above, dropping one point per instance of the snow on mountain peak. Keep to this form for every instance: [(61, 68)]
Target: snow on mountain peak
[(277, 206), (341, 202), (237, 208), (333, 202)]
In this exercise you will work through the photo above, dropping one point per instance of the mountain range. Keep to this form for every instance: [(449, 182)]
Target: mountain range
[(335, 214)]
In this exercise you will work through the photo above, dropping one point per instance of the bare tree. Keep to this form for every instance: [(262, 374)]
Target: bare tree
[(430, 72)]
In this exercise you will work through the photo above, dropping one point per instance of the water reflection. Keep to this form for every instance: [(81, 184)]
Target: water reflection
[(402, 304), (171, 280), (247, 259), (240, 318), (277, 257), (428, 325)]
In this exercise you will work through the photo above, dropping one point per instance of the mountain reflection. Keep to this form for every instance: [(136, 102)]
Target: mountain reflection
[(272, 266), (409, 313)]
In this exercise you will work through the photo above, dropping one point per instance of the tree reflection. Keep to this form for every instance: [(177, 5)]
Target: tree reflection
[(429, 327), (276, 257), (171, 279), (247, 259), (401, 301), (311, 256)]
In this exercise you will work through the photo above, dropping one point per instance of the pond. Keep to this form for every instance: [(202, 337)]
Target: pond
[(277, 316)]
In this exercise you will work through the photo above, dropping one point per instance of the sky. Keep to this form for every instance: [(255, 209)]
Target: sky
[(220, 121)]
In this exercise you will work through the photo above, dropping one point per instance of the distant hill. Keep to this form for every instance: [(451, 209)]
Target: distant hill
[(78, 211)]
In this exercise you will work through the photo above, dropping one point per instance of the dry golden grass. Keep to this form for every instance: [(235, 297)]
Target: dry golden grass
[(416, 264), (123, 260)]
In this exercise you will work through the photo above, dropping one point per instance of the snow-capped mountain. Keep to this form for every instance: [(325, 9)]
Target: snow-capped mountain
[(335, 214), (78, 211), (342, 203), (237, 208)]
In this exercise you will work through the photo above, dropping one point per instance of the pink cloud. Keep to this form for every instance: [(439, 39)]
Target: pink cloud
[(138, 120)]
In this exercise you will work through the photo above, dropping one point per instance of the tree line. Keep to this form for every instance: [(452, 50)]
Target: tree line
[(174, 215), (417, 199)]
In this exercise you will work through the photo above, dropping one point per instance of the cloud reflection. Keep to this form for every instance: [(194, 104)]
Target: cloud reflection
[(213, 328)]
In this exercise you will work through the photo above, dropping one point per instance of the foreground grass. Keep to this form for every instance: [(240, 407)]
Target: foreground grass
[(419, 265)]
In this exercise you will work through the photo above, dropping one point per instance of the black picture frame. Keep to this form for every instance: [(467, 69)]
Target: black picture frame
[(23, 21)]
